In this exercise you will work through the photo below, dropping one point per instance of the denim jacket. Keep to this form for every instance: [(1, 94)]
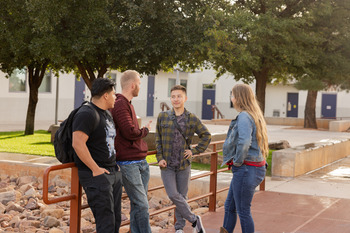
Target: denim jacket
[(241, 143)]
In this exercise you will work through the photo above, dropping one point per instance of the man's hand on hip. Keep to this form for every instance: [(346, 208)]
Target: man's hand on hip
[(162, 163)]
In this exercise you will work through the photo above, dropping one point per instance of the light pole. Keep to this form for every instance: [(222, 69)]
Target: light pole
[(56, 107)]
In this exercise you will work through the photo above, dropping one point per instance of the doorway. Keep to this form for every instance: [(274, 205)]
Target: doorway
[(208, 100)]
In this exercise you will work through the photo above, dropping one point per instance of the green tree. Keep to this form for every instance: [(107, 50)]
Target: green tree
[(259, 40), (94, 36), (19, 50), (331, 27)]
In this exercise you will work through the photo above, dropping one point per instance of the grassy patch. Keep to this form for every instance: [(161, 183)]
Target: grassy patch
[(17, 142), (40, 144), (269, 161)]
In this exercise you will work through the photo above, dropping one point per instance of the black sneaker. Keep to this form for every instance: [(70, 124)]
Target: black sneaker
[(198, 226)]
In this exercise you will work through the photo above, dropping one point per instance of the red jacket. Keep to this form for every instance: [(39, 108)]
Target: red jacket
[(128, 142)]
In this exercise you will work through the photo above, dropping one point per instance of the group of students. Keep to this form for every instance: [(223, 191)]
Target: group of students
[(113, 154)]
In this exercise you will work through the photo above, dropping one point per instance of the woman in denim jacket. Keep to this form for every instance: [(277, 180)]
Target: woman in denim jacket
[(245, 149)]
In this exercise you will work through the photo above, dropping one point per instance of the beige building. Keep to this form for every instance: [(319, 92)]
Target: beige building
[(203, 92)]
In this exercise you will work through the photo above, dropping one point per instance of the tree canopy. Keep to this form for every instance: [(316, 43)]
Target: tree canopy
[(91, 37), (261, 40), (331, 66), (19, 49)]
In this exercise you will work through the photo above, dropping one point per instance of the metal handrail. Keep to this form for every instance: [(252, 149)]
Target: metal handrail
[(76, 190), (164, 105), (215, 108), (74, 197)]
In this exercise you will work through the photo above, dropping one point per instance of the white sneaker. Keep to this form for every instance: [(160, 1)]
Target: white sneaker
[(198, 226), (179, 231)]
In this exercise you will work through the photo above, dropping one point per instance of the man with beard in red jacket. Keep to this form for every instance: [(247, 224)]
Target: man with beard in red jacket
[(131, 151)]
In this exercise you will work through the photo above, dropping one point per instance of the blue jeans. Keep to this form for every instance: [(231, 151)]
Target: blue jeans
[(135, 181), (240, 195)]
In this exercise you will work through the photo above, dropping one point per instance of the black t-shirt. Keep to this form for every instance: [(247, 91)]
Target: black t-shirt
[(101, 140)]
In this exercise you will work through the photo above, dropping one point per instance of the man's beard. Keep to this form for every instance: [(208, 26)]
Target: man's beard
[(135, 92)]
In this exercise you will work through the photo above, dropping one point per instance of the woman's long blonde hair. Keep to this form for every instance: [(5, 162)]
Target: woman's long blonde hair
[(246, 101)]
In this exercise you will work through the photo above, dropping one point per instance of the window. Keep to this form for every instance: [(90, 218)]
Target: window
[(209, 86), (172, 82), (18, 81), (46, 83)]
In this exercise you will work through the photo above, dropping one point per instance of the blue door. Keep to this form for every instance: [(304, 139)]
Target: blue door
[(329, 106), (79, 92), (150, 96), (292, 104), (207, 101)]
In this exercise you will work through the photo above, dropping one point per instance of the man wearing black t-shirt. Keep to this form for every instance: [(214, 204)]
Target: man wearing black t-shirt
[(96, 157)]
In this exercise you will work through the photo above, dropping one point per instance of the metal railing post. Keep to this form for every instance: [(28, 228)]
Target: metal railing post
[(213, 179), (75, 204), (262, 185)]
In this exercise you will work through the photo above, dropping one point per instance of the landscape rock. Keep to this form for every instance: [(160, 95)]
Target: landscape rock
[(155, 229), (32, 204), (6, 197), (154, 203), (55, 230), (26, 180), (22, 208), (57, 213), (30, 192), (50, 221), (2, 208), (201, 211), (282, 144), (14, 207), (15, 222)]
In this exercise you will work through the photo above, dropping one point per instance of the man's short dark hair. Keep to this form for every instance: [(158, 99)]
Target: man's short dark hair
[(178, 87), (101, 86)]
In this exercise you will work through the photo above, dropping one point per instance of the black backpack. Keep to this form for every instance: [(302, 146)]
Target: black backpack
[(63, 137)]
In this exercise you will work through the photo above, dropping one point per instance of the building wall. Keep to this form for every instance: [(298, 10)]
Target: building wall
[(276, 99), (14, 105)]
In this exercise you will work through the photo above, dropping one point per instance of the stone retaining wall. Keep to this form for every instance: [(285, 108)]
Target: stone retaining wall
[(339, 126), (292, 121), (299, 160)]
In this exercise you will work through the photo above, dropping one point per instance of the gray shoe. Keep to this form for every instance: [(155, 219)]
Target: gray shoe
[(198, 226)]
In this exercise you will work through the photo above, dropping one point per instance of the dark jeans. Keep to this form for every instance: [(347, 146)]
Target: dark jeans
[(240, 195), (104, 198)]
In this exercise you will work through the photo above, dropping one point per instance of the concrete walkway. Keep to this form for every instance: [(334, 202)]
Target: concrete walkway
[(317, 202)]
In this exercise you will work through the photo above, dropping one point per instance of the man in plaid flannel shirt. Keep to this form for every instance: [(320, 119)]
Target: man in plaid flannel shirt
[(174, 155)]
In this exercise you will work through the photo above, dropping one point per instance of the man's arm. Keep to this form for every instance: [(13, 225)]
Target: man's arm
[(122, 117), (79, 145), (159, 147), (204, 137)]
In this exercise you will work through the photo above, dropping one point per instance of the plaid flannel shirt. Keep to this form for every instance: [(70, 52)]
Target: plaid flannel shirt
[(164, 135)]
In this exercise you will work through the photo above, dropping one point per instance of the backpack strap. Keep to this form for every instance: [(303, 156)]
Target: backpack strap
[(97, 115)]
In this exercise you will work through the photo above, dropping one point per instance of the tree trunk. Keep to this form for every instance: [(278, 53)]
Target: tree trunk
[(261, 77), (36, 75), (88, 74), (310, 110)]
